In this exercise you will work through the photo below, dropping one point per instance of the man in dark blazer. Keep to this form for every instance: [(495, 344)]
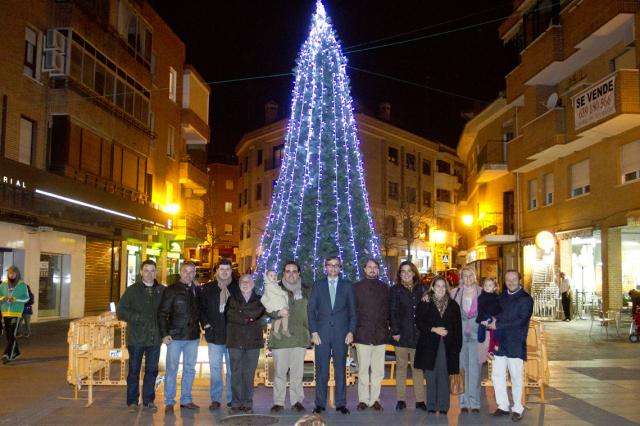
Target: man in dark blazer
[(332, 323)]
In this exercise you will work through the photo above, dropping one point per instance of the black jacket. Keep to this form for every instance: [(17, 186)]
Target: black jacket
[(179, 315), (402, 314), (488, 306), (427, 316), (244, 328), (139, 308), (372, 307), (213, 321)]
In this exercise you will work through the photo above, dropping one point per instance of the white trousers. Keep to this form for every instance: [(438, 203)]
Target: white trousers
[(499, 377), (370, 356)]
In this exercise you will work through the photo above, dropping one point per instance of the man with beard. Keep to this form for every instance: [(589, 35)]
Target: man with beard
[(372, 306), (213, 300), (288, 351)]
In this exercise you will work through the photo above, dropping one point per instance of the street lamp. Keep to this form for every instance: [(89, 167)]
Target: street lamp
[(467, 219)]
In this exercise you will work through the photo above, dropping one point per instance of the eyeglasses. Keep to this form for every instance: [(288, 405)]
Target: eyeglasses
[(332, 265), (293, 271)]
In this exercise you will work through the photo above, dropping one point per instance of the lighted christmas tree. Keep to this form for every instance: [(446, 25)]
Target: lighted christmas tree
[(320, 206)]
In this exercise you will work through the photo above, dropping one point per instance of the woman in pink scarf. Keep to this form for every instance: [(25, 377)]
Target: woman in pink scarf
[(466, 295)]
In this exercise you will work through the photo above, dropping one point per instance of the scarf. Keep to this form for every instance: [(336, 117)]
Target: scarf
[(224, 291), (441, 304), (295, 288), (409, 286), (473, 310)]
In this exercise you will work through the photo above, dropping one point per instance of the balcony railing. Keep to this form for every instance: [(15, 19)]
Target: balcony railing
[(493, 223)]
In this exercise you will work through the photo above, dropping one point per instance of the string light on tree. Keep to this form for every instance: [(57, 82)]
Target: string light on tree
[(320, 205)]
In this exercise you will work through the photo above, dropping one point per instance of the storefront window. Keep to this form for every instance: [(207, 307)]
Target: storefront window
[(53, 278), (630, 255), (133, 263)]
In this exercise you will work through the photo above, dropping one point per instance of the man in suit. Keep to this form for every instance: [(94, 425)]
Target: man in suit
[(332, 323)]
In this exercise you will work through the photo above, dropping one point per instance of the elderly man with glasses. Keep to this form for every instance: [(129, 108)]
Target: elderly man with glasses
[(332, 323), (288, 351)]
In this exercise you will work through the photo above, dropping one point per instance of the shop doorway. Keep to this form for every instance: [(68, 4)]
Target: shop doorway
[(53, 286), (10, 257)]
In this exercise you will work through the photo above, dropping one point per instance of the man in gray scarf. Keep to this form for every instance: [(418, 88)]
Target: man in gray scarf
[(288, 352), (213, 301)]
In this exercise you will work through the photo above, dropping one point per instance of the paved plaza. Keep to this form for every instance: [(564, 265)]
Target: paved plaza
[(594, 380)]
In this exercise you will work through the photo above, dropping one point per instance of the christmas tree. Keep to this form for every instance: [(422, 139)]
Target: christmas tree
[(320, 206)]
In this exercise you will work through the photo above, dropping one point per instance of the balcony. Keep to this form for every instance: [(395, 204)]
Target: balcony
[(195, 108), (193, 176), (587, 29), (539, 141), (446, 209), (492, 229), (491, 163), (546, 49), (447, 181)]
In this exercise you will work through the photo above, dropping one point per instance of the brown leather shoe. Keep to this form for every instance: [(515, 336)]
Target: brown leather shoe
[(298, 407), (464, 410), (190, 406), (168, 409), (377, 406), (500, 412), (361, 406), (214, 405), (277, 408), (515, 417)]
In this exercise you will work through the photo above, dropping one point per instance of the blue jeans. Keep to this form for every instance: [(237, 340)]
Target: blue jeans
[(152, 355), (216, 353), (189, 351)]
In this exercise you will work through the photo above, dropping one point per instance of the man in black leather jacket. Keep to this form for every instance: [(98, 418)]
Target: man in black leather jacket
[(178, 321)]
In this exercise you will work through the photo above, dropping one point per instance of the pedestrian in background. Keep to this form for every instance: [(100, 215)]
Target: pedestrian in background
[(138, 307), (25, 324), (13, 296), (565, 294), (404, 297), (244, 340)]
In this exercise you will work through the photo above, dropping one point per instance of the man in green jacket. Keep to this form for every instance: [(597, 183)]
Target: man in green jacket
[(288, 351), (139, 308), (13, 296)]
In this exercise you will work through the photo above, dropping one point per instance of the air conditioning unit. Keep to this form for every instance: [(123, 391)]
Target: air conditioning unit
[(54, 62), (55, 41)]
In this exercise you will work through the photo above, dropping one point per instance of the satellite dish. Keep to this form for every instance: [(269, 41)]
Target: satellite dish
[(552, 101)]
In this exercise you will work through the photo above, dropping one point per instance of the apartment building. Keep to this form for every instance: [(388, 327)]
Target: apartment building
[(103, 137), (573, 154)]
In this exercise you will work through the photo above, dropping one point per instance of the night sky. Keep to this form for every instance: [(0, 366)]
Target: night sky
[(229, 40)]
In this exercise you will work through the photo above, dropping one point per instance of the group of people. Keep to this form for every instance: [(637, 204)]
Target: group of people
[(16, 302), (438, 331)]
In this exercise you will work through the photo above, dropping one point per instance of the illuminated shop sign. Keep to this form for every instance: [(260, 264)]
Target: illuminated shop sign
[(8, 180)]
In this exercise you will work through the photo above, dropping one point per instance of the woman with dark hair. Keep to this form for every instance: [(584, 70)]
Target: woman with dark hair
[(438, 348), (404, 297)]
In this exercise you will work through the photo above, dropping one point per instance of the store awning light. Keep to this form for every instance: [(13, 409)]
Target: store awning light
[(83, 204)]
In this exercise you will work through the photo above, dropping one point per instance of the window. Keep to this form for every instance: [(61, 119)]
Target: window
[(579, 179), (390, 226), (259, 158), (278, 154), (426, 167), (31, 53), (135, 32), (228, 207), (443, 195), (171, 142), (548, 189), (248, 229), (258, 191), (630, 161), (239, 199), (228, 184), (173, 84), (411, 162), (411, 195), (241, 231), (244, 197), (245, 164), (26, 149), (443, 167), (532, 186), (393, 155), (426, 198), (228, 229), (393, 190)]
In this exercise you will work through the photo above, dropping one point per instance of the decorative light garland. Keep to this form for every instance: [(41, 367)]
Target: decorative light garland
[(321, 176)]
